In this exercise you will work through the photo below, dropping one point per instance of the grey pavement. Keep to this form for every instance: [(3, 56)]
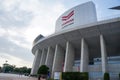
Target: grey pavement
[(4, 76)]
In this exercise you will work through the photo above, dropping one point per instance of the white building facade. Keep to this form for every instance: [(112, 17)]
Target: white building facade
[(80, 43)]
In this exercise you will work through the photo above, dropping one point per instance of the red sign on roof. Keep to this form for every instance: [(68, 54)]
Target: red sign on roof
[(64, 18)]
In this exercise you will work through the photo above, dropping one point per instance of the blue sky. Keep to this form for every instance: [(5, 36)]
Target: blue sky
[(22, 20)]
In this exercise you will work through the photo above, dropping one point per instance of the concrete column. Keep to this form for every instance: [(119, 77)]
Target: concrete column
[(43, 57), (84, 57), (103, 54), (49, 58), (69, 58), (36, 62), (58, 60)]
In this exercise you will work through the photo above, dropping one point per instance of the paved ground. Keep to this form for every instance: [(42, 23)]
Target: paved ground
[(14, 77)]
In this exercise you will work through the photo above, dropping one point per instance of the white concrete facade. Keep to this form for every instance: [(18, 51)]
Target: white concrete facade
[(69, 58), (36, 62), (58, 59), (103, 54), (84, 56), (50, 58), (76, 16), (43, 57)]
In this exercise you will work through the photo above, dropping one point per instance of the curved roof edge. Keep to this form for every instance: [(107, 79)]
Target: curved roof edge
[(72, 29)]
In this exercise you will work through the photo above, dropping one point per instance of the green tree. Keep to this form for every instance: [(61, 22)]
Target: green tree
[(106, 76), (29, 70), (8, 68), (43, 70), (23, 69), (17, 70), (0, 69)]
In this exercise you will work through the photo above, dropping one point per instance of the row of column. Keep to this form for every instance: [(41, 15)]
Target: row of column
[(63, 60), (44, 57)]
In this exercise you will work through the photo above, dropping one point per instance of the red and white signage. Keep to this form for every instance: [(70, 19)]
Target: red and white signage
[(68, 19), (64, 18), (77, 16)]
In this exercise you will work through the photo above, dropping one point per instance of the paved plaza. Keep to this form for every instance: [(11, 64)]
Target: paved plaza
[(4, 76)]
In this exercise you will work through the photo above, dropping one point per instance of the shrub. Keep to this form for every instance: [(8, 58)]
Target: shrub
[(85, 76), (119, 75), (106, 76), (74, 76)]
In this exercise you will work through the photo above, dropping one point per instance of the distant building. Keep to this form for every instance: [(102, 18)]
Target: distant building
[(81, 43)]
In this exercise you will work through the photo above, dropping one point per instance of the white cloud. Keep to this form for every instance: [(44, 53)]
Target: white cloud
[(21, 28), (9, 4), (13, 25), (15, 36), (13, 60), (2, 32), (44, 22)]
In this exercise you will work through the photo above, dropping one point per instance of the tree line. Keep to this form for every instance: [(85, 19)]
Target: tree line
[(7, 68)]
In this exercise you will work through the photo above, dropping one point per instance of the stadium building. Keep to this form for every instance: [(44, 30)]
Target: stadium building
[(80, 43)]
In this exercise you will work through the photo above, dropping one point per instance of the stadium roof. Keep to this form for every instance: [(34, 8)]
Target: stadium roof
[(116, 7)]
